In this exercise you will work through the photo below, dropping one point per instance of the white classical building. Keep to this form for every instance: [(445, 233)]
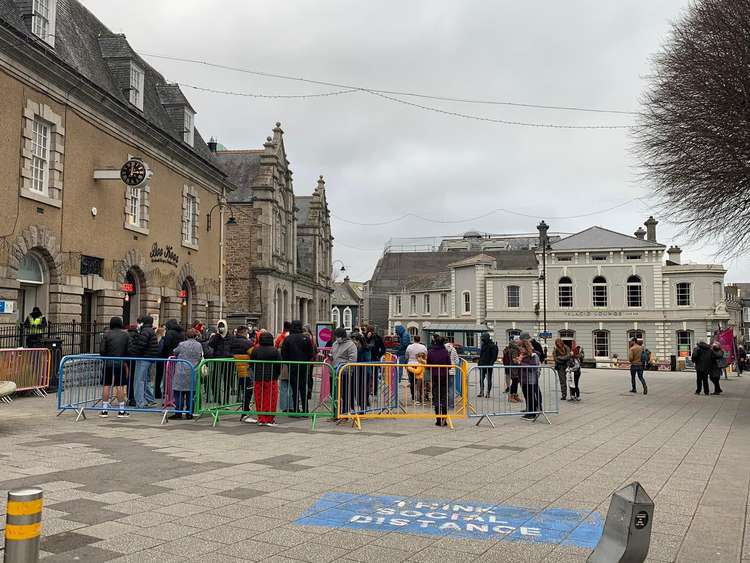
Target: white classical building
[(602, 288)]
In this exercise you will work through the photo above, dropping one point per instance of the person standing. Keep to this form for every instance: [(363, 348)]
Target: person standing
[(143, 345), (488, 353), (297, 347), (411, 357), (562, 357), (344, 352), (635, 357), (718, 364), (282, 335), (741, 360), (702, 358), (578, 357), (35, 325), (512, 372), (189, 350), (404, 339), (451, 375), (266, 377), (172, 337), (438, 355), (529, 360), (240, 346), (114, 344)]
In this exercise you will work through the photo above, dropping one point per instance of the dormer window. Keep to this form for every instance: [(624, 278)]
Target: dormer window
[(189, 134), (136, 86), (43, 20)]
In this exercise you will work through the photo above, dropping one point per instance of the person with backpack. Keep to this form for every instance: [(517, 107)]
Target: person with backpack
[(636, 358), (703, 361), (488, 353), (562, 356)]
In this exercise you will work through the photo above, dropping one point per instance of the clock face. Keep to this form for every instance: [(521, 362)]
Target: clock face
[(133, 172)]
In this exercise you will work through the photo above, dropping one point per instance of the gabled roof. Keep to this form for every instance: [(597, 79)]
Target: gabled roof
[(428, 282), (598, 238), (344, 294), (474, 260), (241, 167)]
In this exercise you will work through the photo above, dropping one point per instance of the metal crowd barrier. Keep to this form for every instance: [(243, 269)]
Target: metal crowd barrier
[(28, 368), (83, 379), (374, 390), (532, 391), (268, 390)]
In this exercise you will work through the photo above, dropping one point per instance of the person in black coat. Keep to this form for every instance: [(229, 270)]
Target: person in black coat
[(717, 367), (703, 360), (488, 353), (266, 377), (174, 335), (298, 347), (114, 344), (144, 345)]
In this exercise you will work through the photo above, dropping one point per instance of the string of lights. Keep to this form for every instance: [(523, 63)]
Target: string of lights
[(483, 216), (269, 96), (390, 96)]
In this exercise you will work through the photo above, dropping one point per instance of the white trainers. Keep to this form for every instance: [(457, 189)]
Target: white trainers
[(271, 424), (123, 414), (249, 420)]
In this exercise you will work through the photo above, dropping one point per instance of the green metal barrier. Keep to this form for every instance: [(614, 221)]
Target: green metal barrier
[(228, 386)]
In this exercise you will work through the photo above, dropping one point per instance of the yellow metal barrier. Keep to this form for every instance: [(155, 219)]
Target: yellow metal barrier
[(400, 391)]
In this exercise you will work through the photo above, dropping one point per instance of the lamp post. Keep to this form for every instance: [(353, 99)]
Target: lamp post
[(342, 270), (222, 205), (543, 228)]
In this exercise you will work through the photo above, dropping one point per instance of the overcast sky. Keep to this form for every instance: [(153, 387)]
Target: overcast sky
[(381, 159)]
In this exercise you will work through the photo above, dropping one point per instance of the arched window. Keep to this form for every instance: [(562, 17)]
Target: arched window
[(426, 304), (33, 290), (513, 334), (466, 298), (348, 318), (565, 292), (413, 331), (336, 317), (412, 304), (599, 292), (634, 292), (635, 333)]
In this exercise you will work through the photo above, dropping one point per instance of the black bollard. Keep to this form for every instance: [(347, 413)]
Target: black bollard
[(627, 529)]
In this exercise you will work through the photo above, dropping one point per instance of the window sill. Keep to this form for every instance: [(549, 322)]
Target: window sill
[(140, 230), (41, 198), (190, 245)]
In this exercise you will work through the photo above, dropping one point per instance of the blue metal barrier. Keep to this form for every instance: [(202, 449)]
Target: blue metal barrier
[(84, 377)]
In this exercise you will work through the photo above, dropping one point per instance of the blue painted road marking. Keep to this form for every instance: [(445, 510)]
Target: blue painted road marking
[(464, 519)]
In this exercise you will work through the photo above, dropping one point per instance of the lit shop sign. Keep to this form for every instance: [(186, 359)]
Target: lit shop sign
[(182, 294), (165, 255), (127, 288), (459, 519)]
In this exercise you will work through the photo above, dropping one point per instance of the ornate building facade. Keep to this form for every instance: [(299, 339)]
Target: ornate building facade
[(279, 249)]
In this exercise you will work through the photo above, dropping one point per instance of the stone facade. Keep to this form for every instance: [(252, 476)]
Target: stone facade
[(279, 250), (602, 288), (70, 242)]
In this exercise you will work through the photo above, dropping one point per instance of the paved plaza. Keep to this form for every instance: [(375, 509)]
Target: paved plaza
[(132, 490)]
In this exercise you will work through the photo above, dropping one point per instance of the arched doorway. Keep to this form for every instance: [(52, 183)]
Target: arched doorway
[(186, 303), (131, 303), (34, 289)]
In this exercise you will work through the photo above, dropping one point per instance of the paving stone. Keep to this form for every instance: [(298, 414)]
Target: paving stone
[(128, 543), (433, 451), (66, 541), (89, 553), (378, 553)]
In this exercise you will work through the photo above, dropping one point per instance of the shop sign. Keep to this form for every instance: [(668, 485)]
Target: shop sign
[(164, 254), (182, 294), (127, 288), (601, 314), (6, 307)]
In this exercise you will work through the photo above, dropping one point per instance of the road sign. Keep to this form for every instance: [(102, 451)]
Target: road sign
[(545, 334)]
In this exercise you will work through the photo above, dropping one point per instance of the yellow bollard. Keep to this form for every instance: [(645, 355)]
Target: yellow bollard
[(23, 526)]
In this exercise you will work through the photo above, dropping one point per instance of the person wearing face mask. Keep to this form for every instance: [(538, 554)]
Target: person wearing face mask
[(220, 346)]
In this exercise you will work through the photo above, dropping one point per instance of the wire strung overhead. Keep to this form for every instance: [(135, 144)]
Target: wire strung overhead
[(483, 216), (390, 96)]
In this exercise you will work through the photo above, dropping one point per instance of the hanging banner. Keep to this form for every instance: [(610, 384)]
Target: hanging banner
[(726, 340)]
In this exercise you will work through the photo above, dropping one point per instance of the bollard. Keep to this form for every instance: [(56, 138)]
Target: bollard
[(23, 526), (627, 529)]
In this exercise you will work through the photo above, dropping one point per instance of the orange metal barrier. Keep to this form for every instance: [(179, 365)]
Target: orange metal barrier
[(397, 391), (28, 368)]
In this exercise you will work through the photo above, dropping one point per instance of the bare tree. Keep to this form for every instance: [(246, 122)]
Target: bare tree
[(693, 138)]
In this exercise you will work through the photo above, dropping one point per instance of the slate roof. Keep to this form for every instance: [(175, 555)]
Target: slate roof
[(343, 295), (474, 260), (595, 238), (242, 167), (84, 43), (302, 203), (428, 282)]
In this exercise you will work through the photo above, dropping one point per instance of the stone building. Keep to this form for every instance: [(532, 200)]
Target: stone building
[(602, 288), (76, 241), (279, 250), (347, 304)]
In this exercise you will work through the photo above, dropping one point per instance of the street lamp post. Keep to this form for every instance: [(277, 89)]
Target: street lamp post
[(222, 205), (543, 228), (333, 272)]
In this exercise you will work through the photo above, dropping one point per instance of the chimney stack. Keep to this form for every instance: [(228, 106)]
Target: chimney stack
[(651, 229), (640, 233), (212, 144), (673, 253)]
